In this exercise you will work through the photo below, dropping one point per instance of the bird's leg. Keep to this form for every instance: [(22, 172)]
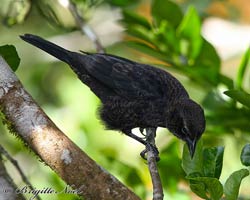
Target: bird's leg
[(147, 142), (150, 143), (130, 134)]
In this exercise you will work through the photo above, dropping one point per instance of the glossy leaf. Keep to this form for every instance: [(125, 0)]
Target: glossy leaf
[(242, 69), (199, 189), (208, 63), (195, 164), (213, 161), (239, 96), (206, 186), (232, 185), (131, 18), (245, 155), (9, 53), (190, 29), (165, 10)]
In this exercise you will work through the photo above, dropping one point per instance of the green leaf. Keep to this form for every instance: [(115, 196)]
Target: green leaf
[(208, 56), (232, 185), (122, 3), (242, 69), (131, 18), (239, 96), (148, 50), (14, 12), (206, 186), (140, 33), (194, 165), (226, 81), (245, 155), (165, 38), (9, 53), (166, 10), (208, 63), (190, 29), (199, 189), (213, 158)]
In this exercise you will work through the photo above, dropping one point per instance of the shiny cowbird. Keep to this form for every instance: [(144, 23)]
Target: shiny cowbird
[(133, 94)]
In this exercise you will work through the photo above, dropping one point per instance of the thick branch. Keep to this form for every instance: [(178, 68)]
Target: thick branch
[(152, 165), (26, 119)]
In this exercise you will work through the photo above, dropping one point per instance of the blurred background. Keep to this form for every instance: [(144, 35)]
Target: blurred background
[(204, 53)]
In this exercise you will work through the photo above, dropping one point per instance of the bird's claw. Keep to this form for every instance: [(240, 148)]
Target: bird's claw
[(150, 147), (141, 130)]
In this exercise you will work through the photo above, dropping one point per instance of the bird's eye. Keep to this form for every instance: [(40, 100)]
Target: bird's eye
[(184, 130)]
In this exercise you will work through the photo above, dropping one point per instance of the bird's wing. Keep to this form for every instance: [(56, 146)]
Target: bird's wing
[(125, 77)]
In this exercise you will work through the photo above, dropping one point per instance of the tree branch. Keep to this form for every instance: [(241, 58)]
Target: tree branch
[(27, 120), (152, 165), (84, 27)]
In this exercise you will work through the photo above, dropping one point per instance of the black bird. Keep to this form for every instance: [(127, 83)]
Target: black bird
[(133, 94)]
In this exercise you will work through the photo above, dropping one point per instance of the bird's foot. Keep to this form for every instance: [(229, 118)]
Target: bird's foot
[(150, 147)]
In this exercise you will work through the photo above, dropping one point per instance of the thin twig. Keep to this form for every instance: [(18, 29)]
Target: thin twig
[(8, 187), (16, 165), (85, 28), (152, 158)]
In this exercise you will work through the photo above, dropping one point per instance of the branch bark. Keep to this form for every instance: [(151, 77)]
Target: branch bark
[(27, 120), (152, 165)]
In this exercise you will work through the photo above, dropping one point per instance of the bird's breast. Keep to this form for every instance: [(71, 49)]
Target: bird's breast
[(122, 114)]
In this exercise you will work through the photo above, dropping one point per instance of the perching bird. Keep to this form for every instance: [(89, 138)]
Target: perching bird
[(133, 94)]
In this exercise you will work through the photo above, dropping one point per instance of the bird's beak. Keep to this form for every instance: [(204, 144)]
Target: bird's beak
[(191, 146)]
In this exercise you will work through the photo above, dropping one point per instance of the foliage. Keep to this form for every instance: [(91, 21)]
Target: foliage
[(232, 185), (172, 39), (8, 52), (204, 170), (179, 43), (239, 96)]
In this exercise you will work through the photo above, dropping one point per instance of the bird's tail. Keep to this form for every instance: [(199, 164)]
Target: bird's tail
[(49, 47)]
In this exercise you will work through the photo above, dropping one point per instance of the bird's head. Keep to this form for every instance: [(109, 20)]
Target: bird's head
[(186, 121)]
